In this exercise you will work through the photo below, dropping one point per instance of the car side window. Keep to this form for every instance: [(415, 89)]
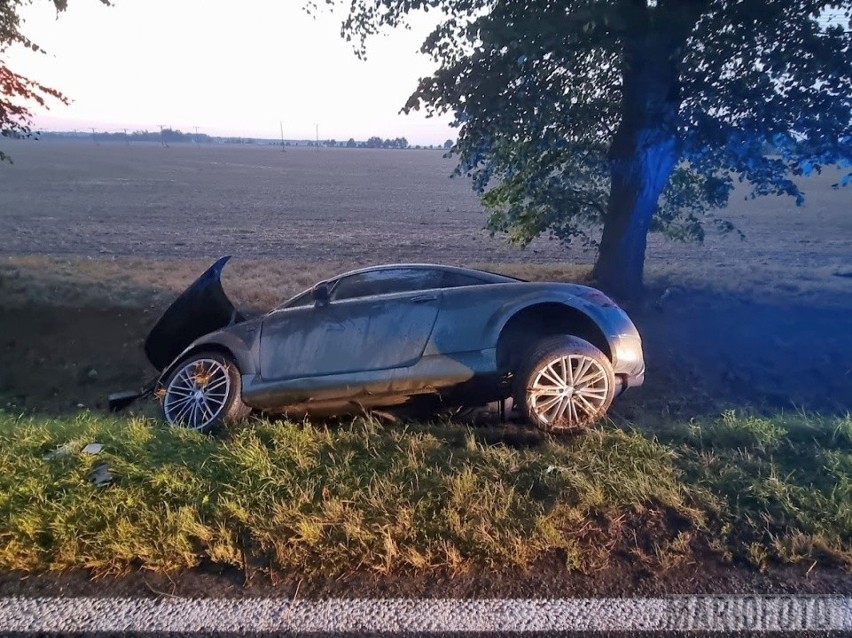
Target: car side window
[(450, 279), (386, 282)]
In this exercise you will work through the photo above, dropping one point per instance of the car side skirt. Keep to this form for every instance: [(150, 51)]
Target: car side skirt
[(431, 375)]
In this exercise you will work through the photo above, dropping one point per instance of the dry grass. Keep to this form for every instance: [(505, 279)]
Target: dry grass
[(138, 283), (261, 284), (135, 283), (359, 497)]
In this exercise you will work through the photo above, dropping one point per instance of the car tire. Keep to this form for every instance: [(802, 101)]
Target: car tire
[(203, 392), (564, 384)]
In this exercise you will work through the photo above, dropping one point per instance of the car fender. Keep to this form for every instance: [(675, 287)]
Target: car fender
[(222, 340), (508, 310)]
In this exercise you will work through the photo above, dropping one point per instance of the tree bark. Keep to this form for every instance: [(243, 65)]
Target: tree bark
[(645, 148), (638, 178)]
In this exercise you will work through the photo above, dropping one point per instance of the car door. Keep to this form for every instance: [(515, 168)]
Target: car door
[(369, 324)]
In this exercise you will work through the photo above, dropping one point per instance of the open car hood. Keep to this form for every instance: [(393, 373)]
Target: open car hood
[(199, 310)]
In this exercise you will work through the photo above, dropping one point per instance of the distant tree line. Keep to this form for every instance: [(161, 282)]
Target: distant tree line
[(166, 136), (378, 142), (175, 136), (373, 142)]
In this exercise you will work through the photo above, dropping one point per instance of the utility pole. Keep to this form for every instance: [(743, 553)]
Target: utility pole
[(94, 138), (316, 128), (126, 139), (162, 138), (281, 126), (196, 136)]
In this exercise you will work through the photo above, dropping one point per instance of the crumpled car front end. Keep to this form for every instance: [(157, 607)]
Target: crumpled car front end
[(199, 310)]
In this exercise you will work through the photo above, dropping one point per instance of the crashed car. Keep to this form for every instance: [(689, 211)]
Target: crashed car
[(394, 336)]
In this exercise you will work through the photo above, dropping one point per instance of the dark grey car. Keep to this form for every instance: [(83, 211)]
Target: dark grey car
[(397, 336)]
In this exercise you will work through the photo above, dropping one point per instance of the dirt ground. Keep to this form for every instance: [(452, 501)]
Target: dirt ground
[(355, 205), (547, 579)]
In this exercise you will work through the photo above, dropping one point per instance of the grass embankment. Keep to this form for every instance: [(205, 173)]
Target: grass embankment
[(360, 496)]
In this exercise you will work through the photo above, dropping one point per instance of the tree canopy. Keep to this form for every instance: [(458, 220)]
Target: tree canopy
[(631, 115), (19, 93)]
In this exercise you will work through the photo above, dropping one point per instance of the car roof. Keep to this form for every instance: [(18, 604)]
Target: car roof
[(484, 275), (473, 272)]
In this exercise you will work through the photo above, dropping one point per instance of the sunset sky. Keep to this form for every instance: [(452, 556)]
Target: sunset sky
[(230, 68)]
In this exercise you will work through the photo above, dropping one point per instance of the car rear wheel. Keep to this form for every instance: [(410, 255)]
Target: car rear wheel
[(203, 392), (565, 384)]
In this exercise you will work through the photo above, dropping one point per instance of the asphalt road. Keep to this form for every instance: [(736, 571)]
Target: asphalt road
[(732, 615)]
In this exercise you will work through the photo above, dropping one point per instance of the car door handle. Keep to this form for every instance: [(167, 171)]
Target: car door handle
[(423, 298)]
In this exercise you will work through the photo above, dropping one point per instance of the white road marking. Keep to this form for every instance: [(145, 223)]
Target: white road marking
[(676, 613)]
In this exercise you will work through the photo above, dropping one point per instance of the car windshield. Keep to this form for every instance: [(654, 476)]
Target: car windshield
[(304, 298)]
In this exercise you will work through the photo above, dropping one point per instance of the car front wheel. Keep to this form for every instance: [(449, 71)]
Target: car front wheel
[(564, 385), (202, 392)]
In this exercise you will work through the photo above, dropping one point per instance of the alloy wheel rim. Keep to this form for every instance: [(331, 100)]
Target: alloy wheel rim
[(569, 391), (197, 394)]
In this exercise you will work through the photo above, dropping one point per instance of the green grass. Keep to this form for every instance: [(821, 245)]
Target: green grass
[(363, 497)]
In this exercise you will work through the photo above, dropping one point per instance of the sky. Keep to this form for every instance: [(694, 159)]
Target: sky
[(228, 67)]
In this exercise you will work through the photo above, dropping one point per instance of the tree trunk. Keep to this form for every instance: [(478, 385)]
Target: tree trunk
[(638, 178), (645, 148)]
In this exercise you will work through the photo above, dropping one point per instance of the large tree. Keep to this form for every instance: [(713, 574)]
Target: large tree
[(633, 115), (17, 92)]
